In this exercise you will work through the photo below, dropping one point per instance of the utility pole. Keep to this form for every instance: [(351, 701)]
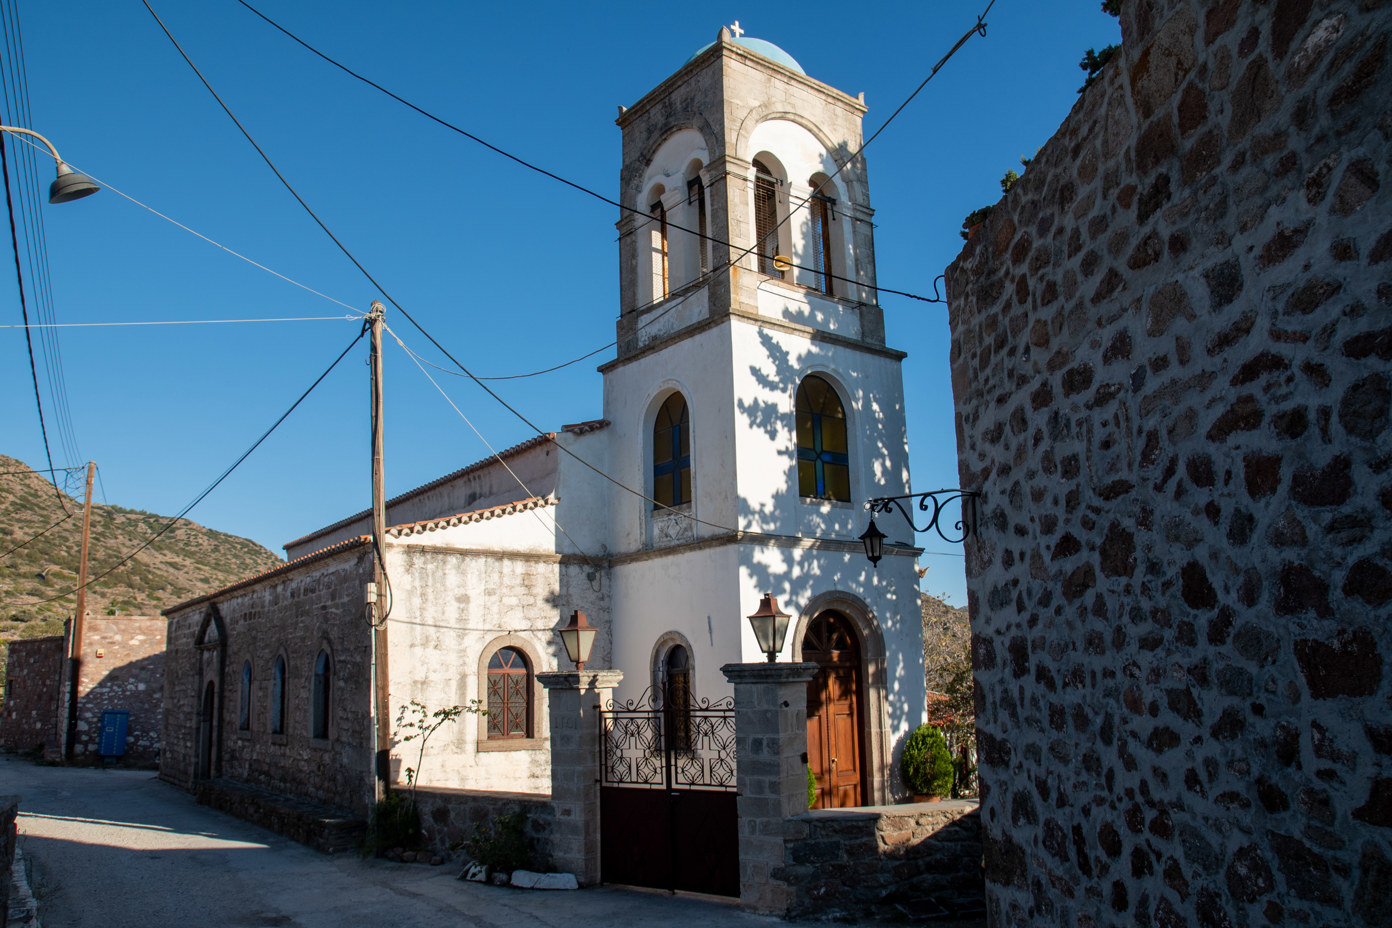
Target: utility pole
[(75, 632), (378, 608)]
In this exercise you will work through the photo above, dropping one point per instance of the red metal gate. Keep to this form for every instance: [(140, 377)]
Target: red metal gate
[(667, 795)]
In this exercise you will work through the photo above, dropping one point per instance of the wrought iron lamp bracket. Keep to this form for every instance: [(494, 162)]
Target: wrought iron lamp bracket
[(933, 502)]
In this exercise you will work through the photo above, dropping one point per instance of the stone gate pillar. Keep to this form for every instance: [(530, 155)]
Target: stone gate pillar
[(771, 770), (574, 704)]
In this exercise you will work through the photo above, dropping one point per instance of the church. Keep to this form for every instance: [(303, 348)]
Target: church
[(751, 410)]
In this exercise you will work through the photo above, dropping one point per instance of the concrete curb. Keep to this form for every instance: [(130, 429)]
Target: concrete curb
[(24, 908)]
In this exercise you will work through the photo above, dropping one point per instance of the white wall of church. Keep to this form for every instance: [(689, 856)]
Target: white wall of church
[(688, 595), (450, 611)]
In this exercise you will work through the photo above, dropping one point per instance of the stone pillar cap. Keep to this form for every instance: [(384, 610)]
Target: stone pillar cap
[(769, 673), (589, 680)]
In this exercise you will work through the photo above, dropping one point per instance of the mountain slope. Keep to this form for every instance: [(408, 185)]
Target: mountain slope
[(186, 561)]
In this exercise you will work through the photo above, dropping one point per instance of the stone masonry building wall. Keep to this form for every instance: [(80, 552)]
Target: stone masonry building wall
[(33, 694), (122, 668), (1170, 365), (294, 616)]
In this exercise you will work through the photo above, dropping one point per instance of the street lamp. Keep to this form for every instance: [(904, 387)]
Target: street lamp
[(770, 626), (69, 184), (578, 638)]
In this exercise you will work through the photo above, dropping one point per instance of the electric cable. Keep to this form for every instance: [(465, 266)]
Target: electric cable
[(22, 544), (16, 89), (24, 311), (107, 185), (95, 325), (648, 217), (212, 486), (491, 450), (386, 295)]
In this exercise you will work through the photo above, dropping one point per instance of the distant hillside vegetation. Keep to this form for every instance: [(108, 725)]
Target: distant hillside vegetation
[(186, 561)]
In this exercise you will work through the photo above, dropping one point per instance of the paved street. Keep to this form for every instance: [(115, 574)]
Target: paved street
[(120, 849)]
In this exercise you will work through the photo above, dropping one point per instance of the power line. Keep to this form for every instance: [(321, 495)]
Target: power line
[(92, 325), (214, 485), (24, 311), (387, 296), (65, 518), (31, 213), (594, 193)]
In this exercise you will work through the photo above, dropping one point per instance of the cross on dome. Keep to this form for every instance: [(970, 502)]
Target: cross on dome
[(735, 29)]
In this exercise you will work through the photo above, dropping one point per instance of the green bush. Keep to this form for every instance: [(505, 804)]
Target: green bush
[(811, 788), (394, 823), (502, 844), (926, 763)]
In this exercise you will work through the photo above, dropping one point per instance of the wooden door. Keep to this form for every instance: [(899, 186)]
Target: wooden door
[(834, 711)]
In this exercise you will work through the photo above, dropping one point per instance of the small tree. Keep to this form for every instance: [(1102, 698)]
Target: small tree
[(415, 718), (926, 764)]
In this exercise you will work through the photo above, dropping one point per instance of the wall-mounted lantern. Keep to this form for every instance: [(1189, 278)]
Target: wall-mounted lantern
[(873, 539)]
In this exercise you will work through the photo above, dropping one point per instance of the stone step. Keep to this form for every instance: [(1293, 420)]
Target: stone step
[(314, 824)]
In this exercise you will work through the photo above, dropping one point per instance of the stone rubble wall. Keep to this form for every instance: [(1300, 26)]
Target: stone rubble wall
[(848, 861), (129, 675), (449, 816), (33, 694), (295, 615), (1170, 366)]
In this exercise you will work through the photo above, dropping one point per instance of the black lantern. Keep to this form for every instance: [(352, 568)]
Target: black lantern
[(873, 539), (578, 637), (770, 627)]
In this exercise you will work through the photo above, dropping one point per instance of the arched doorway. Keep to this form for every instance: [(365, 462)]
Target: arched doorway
[(834, 706), (206, 716)]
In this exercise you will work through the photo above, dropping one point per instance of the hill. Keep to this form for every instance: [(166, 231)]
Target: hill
[(38, 579)]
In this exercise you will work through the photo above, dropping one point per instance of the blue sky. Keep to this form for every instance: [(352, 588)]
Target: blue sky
[(512, 271)]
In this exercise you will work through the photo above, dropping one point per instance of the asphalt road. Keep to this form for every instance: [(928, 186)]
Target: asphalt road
[(120, 849)]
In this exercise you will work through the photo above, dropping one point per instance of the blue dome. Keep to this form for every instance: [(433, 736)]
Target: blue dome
[(760, 47)]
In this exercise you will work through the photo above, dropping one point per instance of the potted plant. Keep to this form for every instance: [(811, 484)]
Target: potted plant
[(926, 764)]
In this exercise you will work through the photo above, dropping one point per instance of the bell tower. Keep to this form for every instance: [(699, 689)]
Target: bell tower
[(737, 159), (753, 402)]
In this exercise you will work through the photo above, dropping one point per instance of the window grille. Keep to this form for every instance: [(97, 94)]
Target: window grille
[(659, 212), (509, 695), (696, 196), (323, 667), (672, 453), (278, 697), (823, 460), (821, 210), (766, 218), (244, 702)]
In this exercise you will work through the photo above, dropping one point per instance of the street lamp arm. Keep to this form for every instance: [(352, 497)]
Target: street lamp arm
[(46, 142), (68, 185), (937, 500)]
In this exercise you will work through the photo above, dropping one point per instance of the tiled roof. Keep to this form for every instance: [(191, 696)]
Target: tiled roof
[(579, 428), (275, 571), (478, 515)]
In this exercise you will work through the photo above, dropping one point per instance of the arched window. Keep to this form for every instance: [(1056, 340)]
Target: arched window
[(244, 700), (676, 697), (278, 696), (509, 695), (323, 674), (766, 218), (823, 463), (672, 453)]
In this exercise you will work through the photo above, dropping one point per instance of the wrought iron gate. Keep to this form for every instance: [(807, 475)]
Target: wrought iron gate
[(667, 795)]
